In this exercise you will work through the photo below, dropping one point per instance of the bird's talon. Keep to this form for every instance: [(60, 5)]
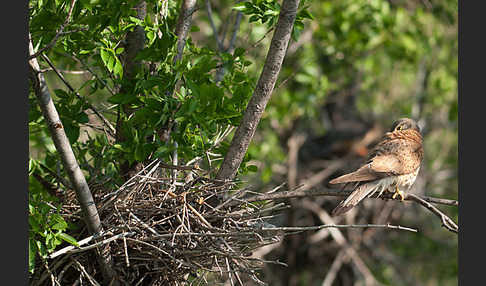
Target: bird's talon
[(399, 193)]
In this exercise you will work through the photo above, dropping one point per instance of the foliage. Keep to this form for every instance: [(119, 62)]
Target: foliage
[(47, 228)]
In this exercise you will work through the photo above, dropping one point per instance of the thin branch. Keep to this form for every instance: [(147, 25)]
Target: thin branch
[(88, 68), (301, 192), (58, 34), (221, 70), (64, 71), (213, 27), (318, 227), (447, 222), (80, 243), (71, 249), (111, 129)]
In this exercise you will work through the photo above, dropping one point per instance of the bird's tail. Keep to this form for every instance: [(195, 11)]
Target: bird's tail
[(361, 192)]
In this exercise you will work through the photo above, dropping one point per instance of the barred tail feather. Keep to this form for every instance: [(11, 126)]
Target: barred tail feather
[(361, 192)]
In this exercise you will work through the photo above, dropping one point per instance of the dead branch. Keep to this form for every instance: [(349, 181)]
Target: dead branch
[(447, 222), (301, 192)]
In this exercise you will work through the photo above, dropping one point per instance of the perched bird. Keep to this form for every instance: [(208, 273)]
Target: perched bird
[(392, 164)]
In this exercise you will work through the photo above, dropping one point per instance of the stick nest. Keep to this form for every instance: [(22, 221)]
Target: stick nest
[(167, 231)]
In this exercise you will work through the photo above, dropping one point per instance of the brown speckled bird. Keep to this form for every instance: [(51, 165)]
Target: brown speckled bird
[(392, 164)]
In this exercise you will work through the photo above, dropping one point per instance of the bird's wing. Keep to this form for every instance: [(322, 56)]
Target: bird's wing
[(380, 166)]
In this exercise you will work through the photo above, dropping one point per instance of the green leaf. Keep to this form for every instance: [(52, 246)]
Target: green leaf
[(254, 18), (110, 63), (252, 168), (69, 239), (105, 55), (32, 166), (118, 69), (240, 7), (32, 254), (121, 98), (41, 249), (162, 151), (82, 118), (306, 14), (72, 131), (238, 52), (151, 37), (136, 20), (62, 225), (61, 93)]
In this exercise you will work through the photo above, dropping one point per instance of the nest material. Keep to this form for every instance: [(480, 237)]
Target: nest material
[(168, 234)]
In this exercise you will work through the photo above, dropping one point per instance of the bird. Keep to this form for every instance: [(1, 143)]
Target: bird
[(393, 163)]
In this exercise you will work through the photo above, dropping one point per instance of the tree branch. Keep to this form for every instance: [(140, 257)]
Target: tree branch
[(447, 222), (213, 27), (111, 129), (58, 34), (262, 92), (301, 192), (183, 26), (221, 70), (61, 142)]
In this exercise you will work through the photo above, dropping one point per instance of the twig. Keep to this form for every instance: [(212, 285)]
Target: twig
[(317, 227), (111, 129), (221, 70), (88, 68), (53, 278), (447, 222), (58, 34), (85, 273), (71, 250), (127, 261), (213, 27), (144, 224)]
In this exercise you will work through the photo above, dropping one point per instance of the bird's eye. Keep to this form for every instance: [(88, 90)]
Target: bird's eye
[(400, 127)]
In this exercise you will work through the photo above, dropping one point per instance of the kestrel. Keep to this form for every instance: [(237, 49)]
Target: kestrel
[(392, 164)]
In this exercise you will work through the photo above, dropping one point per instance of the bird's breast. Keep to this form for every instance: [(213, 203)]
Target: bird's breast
[(407, 180)]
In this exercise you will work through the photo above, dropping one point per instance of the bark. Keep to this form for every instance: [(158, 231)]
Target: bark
[(183, 26), (135, 41), (61, 142), (262, 92)]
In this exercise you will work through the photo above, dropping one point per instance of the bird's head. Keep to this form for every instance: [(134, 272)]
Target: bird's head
[(405, 124)]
